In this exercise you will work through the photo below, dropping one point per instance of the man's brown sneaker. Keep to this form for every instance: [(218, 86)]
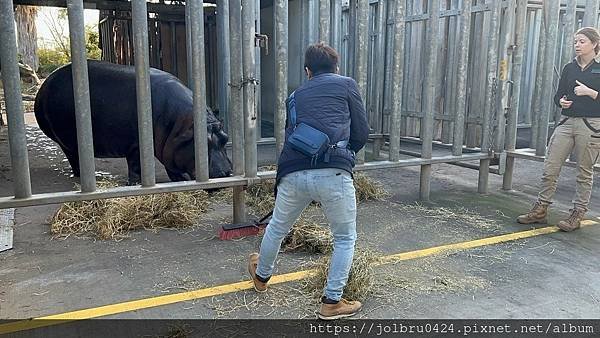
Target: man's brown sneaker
[(573, 222), (537, 214), (259, 286), (341, 309)]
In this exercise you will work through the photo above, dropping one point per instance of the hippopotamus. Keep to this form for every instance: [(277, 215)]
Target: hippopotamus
[(114, 120)]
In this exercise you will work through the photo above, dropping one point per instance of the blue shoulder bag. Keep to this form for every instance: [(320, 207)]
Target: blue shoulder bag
[(304, 138)]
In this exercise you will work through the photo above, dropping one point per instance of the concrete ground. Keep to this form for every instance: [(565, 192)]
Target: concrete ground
[(546, 275)]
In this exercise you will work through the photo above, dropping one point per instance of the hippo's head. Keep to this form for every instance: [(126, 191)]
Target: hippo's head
[(179, 153), (219, 164)]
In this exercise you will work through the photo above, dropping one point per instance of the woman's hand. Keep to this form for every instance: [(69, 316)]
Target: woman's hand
[(583, 90), (564, 103)]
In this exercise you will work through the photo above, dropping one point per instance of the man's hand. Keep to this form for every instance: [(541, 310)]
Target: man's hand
[(583, 90), (564, 103)]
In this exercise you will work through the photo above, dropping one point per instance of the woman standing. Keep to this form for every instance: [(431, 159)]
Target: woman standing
[(578, 130)]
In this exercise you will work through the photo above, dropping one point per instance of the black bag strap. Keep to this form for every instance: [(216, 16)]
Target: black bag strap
[(587, 123)]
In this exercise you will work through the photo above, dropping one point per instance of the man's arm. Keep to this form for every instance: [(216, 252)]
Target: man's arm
[(359, 126)]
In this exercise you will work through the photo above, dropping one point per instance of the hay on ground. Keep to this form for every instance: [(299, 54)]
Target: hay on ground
[(113, 218), (360, 281), (367, 188), (260, 197), (308, 236)]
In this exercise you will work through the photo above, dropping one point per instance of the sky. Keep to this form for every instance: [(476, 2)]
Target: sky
[(44, 36)]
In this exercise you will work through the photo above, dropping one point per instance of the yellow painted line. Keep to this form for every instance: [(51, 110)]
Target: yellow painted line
[(218, 290), (474, 244)]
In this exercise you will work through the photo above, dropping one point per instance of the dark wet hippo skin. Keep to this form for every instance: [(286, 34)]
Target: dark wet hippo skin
[(114, 120)]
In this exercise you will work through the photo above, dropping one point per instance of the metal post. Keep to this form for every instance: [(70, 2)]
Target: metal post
[(81, 91), (570, 26), (257, 72), (199, 93), (397, 80), (249, 85), (351, 39), (188, 45), (236, 116), (537, 101), (551, 25), (139, 17), (281, 72), (463, 63), (513, 112), (378, 75), (14, 103), (590, 16), (504, 76), (362, 41), (224, 58), (433, 25), (490, 94), (324, 20), (336, 26)]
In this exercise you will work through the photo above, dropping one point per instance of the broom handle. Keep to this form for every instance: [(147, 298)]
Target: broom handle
[(266, 216)]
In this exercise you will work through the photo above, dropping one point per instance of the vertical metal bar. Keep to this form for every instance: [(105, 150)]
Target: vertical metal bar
[(362, 41), (236, 118), (551, 25), (257, 72), (173, 46), (433, 27), (139, 17), (378, 73), (351, 41), (81, 91), (590, 16), (504, 76), (491, 89), (324, 20), (188, 45), (14, 104), (570, 26), (513, 112), (463, 63), (281, 72), (490, 94), (539, 80), (249, 85), (199, 93), (336, 26), (224, 58), (397, 80)]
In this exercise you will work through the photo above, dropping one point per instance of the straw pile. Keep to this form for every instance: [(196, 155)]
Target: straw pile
[(368, 189), (308, 236), (360, 281), (114, 218)]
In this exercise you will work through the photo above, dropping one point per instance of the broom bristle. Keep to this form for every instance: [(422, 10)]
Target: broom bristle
[(238, 233)]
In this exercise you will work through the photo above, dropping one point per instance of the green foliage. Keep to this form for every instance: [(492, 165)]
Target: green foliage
[(50, 59), (54, 57), (92, 42)]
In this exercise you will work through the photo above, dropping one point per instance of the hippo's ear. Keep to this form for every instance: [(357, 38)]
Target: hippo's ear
[(181, 133)]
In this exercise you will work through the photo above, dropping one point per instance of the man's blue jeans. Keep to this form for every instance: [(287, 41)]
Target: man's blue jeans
[(334, 189)]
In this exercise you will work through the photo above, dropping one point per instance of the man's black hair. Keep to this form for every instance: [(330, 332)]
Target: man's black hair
[(321, 58)]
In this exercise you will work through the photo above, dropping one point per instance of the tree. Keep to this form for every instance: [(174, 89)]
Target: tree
[(57, 25), (27, 35)]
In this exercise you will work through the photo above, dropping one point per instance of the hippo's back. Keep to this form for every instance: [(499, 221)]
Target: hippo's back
[(112, 102)]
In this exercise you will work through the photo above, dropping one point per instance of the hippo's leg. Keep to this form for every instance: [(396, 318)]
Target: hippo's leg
[(134, 170), (175, 177), (73, 158)]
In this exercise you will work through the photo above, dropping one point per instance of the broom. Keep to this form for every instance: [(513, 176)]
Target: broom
[(233, 231)]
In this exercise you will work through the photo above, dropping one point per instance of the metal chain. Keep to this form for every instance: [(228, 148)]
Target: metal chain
[(244, 81)]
